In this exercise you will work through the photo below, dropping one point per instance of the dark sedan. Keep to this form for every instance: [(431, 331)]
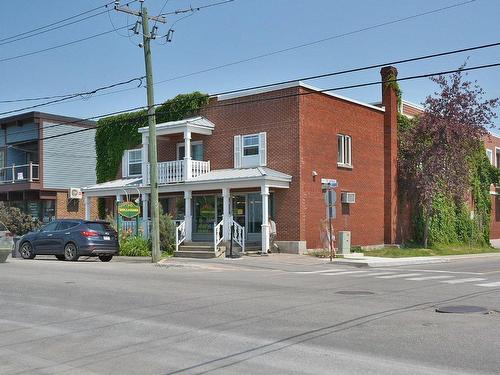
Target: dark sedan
[(69, 239)]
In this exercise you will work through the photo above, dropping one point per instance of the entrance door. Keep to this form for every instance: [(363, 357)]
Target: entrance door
[(247, 211), (207, 213)]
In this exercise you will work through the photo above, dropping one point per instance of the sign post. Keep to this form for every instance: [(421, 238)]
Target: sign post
[(331, 199)]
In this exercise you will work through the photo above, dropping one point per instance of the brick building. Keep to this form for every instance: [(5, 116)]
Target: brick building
[(38, 166)]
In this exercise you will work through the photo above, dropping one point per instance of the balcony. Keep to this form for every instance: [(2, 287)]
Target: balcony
[(173, 171), (20, 173)]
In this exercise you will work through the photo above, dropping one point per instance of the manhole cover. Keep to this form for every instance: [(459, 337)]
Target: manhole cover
[(462, 309), (355, 292), (69, 282)]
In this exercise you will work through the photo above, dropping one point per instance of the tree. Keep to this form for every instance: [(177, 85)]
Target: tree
[(436, 151), (16, 221)]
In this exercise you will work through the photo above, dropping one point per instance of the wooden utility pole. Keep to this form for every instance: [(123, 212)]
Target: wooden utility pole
[(153, 156)]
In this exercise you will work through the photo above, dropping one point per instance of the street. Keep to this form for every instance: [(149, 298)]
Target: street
[(280, 314)]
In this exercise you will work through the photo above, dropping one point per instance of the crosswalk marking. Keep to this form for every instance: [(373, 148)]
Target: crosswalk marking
[(314, 272), (490, 284), (460, 281), (342, 273), (376, 274), (429, 278), (398, 276)]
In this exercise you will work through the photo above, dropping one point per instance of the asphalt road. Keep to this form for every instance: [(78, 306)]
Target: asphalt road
[(267, 315)]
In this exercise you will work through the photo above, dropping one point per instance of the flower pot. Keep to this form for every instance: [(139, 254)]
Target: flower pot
[(4, 253)]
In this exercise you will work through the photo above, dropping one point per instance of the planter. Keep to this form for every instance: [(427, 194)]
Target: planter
[(4, 253)]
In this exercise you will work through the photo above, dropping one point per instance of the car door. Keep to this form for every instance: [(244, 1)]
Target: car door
[(43, 241), (58, 238)]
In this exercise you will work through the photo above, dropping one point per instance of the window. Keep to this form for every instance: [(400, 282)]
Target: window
[(489, 153), (196, 150), (50, 227), (344, 150), (250, 145), (134, 162)]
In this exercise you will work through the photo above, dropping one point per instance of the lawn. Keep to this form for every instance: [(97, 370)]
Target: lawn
[(394, 252)]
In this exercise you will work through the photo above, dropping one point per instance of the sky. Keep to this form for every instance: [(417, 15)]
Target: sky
[(234, 31)]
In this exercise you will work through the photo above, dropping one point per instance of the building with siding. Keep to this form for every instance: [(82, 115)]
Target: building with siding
[(38, 166)]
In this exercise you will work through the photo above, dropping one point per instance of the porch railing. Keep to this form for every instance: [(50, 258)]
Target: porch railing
[(20, 173), (238, 234), (180, 234), (218, 234), (170, 172)]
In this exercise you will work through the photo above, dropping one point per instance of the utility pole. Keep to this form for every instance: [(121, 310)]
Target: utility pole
[(153, 157)]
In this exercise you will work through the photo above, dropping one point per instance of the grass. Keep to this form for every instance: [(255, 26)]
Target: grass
[(438, 250)]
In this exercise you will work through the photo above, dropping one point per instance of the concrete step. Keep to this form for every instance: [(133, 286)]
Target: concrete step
[(194, 254), (196, 248)]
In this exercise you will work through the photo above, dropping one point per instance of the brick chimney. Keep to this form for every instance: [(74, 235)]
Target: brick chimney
[(390, 102)]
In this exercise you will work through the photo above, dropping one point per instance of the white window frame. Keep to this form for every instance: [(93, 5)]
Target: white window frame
[(489, 154), (497, 151), (139, 151), (344, 154), (193, 143), (243, 147), (250, 161)]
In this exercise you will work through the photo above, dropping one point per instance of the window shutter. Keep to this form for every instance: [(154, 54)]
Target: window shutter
[(237, 151), (262, 149), (125, 164)]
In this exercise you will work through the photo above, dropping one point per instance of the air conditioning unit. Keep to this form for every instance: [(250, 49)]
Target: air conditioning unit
[(75, 193), (348, 197)]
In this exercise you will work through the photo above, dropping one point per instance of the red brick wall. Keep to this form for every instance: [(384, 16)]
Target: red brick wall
[(75, 208), (322, 118), (490, 142), (279, 118)]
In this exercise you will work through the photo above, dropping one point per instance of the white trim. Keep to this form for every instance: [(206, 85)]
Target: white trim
[(135, 162), (490, 155), (292, 84), (495, 157), (342, 151), (198, 125)]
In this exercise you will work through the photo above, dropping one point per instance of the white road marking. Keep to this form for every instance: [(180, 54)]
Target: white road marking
[(376, 274), (429, 278), (343, 273), (460, 281), (398, 276), (434, 271), (322, 271), (490, 285)]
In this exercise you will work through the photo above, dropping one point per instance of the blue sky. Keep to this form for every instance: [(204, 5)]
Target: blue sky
[(239, 30)]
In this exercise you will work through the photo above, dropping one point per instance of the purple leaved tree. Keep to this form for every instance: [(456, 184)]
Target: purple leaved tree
[(435, 152)]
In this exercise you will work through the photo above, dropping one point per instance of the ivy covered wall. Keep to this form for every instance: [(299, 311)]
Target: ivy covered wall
[(115, 134)]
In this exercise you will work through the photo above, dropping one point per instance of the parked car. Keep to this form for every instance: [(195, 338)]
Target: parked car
[(69, 239)]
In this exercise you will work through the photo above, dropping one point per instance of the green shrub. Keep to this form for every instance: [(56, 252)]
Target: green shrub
[(16, 221), (135, 246), (167, 234)]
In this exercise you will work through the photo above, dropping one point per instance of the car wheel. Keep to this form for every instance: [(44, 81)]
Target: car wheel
[(105, 258), (60, 257), (27, 251), (70, 252)]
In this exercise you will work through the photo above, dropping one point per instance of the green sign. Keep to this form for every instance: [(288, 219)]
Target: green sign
[(129, 209)]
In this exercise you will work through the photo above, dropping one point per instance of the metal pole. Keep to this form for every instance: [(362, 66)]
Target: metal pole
[(153, 157)]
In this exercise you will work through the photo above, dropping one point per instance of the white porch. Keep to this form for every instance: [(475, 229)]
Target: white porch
[(222, 182)]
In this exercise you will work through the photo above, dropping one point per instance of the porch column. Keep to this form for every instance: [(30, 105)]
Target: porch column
[(226, 213), (118, 217), (145, 214), (145, 159), (264, 191), (188, 214), (187, 155), (87, 207)]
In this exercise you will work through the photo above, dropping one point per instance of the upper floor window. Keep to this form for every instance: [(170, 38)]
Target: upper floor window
[(196, 150), (250, 150), (132, 163), (344, 150), (489, 153)]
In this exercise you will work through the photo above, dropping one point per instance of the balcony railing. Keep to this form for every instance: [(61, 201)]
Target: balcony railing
[(173, 171), (20, 173)]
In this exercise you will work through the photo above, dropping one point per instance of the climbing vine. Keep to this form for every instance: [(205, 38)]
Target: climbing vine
[(393, 83), (115, 134)]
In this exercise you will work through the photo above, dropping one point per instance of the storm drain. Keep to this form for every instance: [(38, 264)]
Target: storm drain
[(355, 292), (462, 309)]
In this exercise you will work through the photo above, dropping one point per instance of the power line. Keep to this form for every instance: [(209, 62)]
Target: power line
[(365, 84), (60, 45), (316, 41), (192, 9), (81, 94)]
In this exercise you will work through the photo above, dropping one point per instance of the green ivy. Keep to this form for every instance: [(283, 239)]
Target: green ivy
[(393, 83), (115, 134)]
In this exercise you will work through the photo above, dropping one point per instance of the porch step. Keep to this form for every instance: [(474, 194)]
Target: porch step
[(199, 250)]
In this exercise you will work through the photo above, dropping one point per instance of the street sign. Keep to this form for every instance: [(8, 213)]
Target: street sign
[(330, 197), (331, 212), (128, 209), (329, 182)]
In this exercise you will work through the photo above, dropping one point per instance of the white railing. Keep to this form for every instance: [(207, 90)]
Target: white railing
[(199, 167), (218, 234), (173, 171), (180, 234), (238, 234), (20, 173)]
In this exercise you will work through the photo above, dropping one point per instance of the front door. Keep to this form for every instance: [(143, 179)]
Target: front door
[(247, 211), (207, 213)]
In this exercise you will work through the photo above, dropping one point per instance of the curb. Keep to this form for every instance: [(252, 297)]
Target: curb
[(125, 259), (389, 262)]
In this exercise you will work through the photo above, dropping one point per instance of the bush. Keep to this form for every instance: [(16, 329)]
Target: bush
[(16, 221), (135, 246), (167, 234)]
